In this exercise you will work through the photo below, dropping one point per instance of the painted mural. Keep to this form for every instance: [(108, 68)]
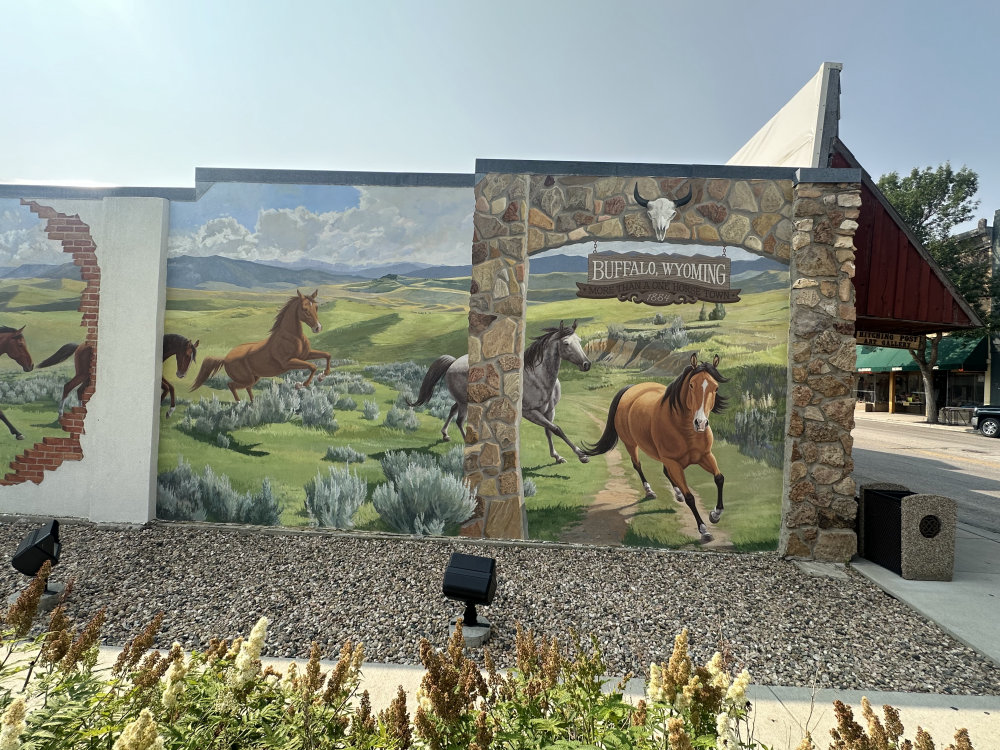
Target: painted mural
[(45, 358), (318, 376), (305, 318), (697, 391)]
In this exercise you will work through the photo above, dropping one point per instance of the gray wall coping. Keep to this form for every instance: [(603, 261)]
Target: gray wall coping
[(205, 177)]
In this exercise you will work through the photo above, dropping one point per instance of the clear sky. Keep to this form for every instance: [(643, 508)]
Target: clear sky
[(141, 93)]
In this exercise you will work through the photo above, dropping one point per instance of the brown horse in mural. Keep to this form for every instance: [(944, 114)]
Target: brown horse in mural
[(83, 357), (287, 348), (12, 344), (671, 425), (186, 352)]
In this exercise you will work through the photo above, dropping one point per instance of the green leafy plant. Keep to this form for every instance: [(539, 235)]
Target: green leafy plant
[(55, 699)]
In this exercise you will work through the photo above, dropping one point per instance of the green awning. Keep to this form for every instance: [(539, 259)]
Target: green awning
[(954, 353)]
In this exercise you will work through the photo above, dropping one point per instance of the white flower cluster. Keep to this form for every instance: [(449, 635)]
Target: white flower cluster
[(13, 724), (175, 682), (247, 663), (655, 690), (140, 734), (727, 722)]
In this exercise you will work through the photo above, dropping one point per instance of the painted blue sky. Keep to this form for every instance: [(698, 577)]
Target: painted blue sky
[(142, 93)]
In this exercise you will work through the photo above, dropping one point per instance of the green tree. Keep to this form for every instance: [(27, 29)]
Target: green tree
[(932, 202)]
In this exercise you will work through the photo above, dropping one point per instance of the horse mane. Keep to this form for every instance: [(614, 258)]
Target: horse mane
[(173, 340), (534, 353), (673, 392), (276, 326), (7, 329)]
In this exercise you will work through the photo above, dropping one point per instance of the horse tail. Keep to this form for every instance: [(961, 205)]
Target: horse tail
[(607, 440), (434, 373), (65, 352), (209, 366)]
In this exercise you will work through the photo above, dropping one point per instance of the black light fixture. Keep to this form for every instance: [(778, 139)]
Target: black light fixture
[(473, 580), (36, 548)]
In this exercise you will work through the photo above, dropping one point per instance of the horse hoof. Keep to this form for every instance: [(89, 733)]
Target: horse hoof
[(584, 459), (446, 439), (19, 436), (650, 495), (560, 460), (706, 537), (714, 516), (299, 386)]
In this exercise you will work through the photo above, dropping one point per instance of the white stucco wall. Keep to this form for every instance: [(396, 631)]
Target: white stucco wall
[(116, 480)]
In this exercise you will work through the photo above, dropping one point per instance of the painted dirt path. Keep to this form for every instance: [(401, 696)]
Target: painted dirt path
[(608, 517)]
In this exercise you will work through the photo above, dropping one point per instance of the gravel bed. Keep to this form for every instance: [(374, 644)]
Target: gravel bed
[(785, 626)]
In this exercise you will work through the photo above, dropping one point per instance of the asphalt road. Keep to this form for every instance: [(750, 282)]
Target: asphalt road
[(943, 461)]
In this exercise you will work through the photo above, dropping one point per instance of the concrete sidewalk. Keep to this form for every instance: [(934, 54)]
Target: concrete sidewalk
[(968, 606)]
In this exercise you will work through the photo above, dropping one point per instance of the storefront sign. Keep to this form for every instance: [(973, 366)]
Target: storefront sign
[(658, 279), (888, 340)]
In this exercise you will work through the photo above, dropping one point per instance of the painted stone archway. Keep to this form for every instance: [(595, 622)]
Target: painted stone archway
[(804, 217)]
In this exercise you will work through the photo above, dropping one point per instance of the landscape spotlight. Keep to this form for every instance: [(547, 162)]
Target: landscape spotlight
[(473, 580), (37, 547)]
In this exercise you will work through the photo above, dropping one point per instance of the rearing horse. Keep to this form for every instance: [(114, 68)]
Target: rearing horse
[(12, 344), (287, 348), (671, 425), (175, 345)]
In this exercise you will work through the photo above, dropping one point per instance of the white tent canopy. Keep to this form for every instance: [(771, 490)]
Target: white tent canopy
[(800, 133)]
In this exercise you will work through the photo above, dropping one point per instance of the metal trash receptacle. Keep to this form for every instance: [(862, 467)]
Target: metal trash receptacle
[(912, 535), (863, 493)]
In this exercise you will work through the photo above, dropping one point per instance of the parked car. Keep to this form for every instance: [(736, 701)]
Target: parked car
[(986, 419)]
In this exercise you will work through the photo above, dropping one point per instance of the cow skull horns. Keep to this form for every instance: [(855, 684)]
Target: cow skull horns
[(661, 210)]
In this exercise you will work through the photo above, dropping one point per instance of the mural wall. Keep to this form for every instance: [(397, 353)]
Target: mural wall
[(324, 331), (315, 311), (49, 293)]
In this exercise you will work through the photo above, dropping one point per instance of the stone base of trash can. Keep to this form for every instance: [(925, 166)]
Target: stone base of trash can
[(928, 537)]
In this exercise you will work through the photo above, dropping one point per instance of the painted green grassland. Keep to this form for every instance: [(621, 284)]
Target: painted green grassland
[(387, 322), (369, 324), (47, 308), (754, 332)]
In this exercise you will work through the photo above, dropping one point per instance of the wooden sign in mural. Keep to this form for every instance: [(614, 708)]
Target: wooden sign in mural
[(658, 279), (888, 340)]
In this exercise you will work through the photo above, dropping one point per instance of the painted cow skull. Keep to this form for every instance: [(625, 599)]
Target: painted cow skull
[(661, 210)]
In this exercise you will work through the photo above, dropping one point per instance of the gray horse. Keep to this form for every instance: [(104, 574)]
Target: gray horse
[(541, 383)]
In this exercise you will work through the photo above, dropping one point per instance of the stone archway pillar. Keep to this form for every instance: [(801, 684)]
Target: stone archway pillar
[(496, 341), (818, 507)]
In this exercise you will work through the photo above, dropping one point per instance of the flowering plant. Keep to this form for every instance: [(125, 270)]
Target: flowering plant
[(53, 698)]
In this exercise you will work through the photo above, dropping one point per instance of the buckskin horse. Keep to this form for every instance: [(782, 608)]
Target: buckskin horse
[(186, 352), (541, 388), (671, 425), (287, 348)]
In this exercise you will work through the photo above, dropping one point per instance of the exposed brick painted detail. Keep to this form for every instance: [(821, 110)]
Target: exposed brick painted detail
[(74, 236)]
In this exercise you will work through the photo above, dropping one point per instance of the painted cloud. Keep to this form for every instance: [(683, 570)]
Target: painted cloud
[(22, 239), (389, 224)]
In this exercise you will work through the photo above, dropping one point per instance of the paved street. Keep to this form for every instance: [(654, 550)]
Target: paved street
[(950, 461)]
